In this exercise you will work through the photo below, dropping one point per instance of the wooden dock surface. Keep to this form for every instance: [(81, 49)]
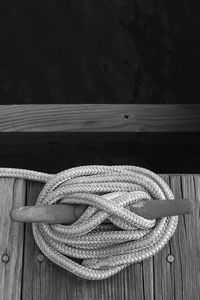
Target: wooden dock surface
[(25, 274)]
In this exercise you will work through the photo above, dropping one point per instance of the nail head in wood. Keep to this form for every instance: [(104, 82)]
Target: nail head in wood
[(5, 258), (40, 257), (170, 258)]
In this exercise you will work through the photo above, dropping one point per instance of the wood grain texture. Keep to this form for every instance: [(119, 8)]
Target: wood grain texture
[(99, 118), (12, 194), (155, 278)]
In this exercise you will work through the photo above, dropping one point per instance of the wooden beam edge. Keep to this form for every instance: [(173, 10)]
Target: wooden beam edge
[(100, 118)]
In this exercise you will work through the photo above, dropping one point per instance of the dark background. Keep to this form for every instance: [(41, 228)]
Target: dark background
[(108, 51), (100, 51)]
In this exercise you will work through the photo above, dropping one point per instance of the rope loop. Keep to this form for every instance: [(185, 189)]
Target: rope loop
[(108, 236)]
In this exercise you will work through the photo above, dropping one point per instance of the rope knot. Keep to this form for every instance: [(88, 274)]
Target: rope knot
[(108, 236)]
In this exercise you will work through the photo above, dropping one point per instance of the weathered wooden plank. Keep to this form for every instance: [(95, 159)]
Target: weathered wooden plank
[(185, 244), (100, 117), (152, 279), (192, 230), (12, 194), (160, 271), (155, 278)]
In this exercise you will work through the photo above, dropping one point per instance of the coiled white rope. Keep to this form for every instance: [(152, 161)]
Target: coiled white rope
[(104, 248)]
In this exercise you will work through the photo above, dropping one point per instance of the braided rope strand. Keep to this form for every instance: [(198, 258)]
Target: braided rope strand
[(108, 236)]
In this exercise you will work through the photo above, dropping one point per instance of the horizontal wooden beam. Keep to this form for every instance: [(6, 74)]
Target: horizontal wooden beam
[(100, 118)]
